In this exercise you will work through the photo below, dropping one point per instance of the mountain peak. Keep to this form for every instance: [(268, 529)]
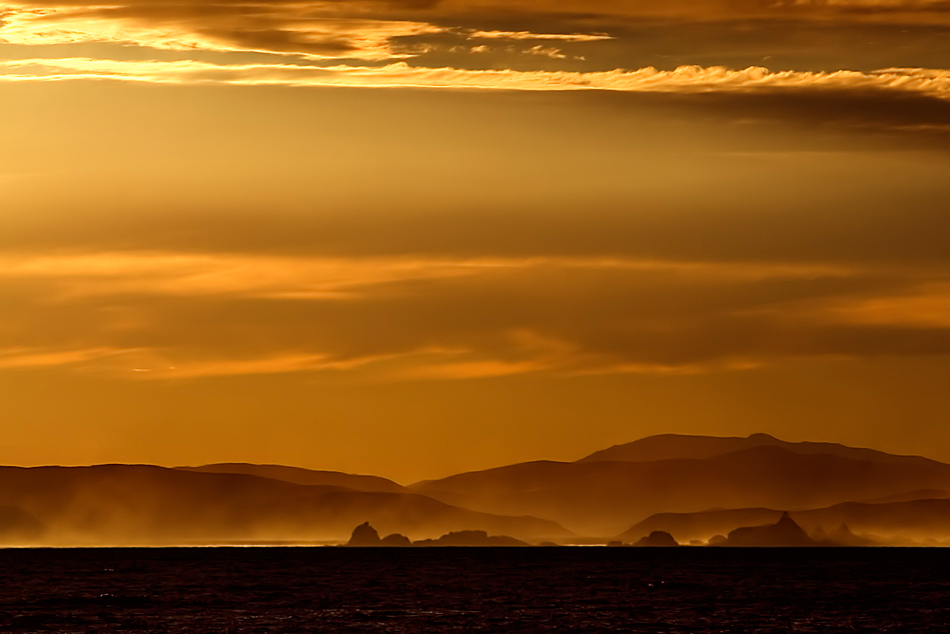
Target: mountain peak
[(686, 447), (680, 446), (785, 532)]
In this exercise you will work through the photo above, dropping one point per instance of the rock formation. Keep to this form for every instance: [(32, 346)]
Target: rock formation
[(657, 539), (395, 540), (471, 538), (364, 535)]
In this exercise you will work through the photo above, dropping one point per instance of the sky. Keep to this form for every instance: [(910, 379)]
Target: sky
[(417, 237)]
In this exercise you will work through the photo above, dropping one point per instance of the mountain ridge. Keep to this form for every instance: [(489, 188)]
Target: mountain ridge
[(146, 504), (676, 446), (596, 497), (899, 522), (691, 479), (300, 475)]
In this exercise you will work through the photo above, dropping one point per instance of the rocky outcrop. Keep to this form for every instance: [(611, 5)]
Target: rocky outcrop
[(364, 535), (657, 539), (395, 540), (471, 538)]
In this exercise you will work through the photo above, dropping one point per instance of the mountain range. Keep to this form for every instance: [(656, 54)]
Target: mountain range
[(141, 504), (604, 493), (692, 487)]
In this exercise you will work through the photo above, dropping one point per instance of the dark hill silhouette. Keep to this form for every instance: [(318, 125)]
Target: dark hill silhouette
[(702, 525), (135, 504), (910, 496), (894, 523), (139, 504), (395, 540), (677, 446), (298, 475), (606, 497), (783, 533), (888, 522), (842, 536), (364, 535)]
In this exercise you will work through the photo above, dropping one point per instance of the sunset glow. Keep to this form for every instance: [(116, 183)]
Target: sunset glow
[(417, 238)]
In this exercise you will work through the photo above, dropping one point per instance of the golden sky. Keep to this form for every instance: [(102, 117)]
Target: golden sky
[(415, 237)]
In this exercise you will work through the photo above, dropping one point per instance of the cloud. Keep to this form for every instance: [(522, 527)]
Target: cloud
[(155, 364), (326, 278), (32, 358), (308, 30), (925, 306), (470, 370), (164, 316), (685, 79), (158, 368), (699, 10), (212, 274), (602, 45), (528, 35), (311, 30), (370, 30)]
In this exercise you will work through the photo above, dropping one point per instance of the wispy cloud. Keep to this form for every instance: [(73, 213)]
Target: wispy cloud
[(158, 365), (224, 274), (180, 316), (32, 358), (918, 306), (309, 30), (685, 79), (701, 10), (529, 35), (322, 278), (681, 369)]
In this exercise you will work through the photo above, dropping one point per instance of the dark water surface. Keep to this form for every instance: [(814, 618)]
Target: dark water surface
[(474, 590)]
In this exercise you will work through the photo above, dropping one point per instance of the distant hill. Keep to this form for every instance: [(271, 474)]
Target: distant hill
[(304, 476), (910, 496), (136, 504), (783, 533), (701, 525), (607, 497), (889, 522), (676, 446), (692, 487), (892, 522)]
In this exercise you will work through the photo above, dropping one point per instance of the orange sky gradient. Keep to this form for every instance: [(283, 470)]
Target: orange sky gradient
[(415, 238)]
